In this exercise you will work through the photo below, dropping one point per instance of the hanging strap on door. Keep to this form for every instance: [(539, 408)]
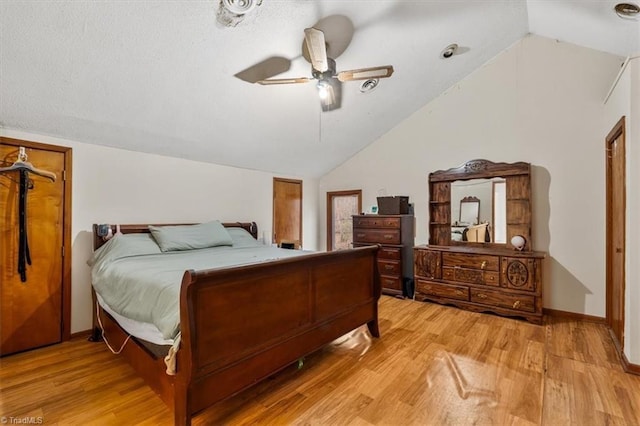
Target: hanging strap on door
[(24, 167), (24, 257)]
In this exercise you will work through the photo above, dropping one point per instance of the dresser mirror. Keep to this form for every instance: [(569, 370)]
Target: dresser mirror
[(480, 202)]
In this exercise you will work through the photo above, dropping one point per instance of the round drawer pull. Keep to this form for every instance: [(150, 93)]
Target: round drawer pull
[(484, 264), (516, 304)]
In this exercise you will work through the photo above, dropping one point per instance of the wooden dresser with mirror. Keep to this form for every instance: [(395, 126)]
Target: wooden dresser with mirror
[(475, 210)]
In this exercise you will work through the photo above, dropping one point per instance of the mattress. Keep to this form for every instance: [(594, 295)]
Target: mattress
[(141, 330)]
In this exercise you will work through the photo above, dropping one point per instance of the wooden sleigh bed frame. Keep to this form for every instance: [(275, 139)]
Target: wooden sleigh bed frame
[(242, 324)]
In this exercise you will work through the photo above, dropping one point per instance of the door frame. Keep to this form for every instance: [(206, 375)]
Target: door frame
[(618, 131), (66, 224), (273, 218), (330, 195)]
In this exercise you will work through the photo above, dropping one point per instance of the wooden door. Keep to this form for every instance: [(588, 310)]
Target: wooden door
[(287, 211), (341, 206), (31, 312), (615, 245)]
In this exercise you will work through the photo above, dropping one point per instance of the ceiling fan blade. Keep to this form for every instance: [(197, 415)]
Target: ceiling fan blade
[(366, 73), (265, 69), (317, 49), (283, 81)]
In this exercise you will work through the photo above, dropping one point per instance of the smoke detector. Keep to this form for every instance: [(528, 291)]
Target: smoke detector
[(627, 10)]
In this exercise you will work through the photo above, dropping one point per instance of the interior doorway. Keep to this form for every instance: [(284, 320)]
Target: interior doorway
[(287, 212), (615, 224), (35, 307), (341, 206)]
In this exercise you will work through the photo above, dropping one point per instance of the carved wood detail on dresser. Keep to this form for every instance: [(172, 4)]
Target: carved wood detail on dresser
[(506, 283), (395, 234), (482, 275)]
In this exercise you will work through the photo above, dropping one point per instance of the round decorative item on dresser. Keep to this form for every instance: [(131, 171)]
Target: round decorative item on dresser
[(518, 242)]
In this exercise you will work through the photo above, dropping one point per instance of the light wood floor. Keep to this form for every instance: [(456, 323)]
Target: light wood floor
[(433, 365)]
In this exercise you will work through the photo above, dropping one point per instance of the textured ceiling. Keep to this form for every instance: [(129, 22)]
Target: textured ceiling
[(158, 76)]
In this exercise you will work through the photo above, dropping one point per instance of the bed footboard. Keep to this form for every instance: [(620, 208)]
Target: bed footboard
[(242, 324)]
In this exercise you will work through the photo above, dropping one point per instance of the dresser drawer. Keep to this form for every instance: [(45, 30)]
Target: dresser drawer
[(504, 300), (383, 236), (472, 261), (394, 283), (442, 290), (475, 276), (389, 253), (376, 222), (389, 267)]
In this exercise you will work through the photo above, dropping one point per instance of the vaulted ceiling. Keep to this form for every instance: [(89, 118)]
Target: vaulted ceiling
[(158, 76)]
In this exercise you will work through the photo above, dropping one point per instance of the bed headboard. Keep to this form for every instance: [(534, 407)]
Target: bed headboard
[(98, 241)]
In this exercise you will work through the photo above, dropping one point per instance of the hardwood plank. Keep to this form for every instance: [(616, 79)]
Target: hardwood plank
[(433, 365)]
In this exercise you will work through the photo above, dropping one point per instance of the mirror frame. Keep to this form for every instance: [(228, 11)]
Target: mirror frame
[(518, 189), (470, 200)]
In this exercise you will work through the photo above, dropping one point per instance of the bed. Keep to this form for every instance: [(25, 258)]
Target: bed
[(240, 324)]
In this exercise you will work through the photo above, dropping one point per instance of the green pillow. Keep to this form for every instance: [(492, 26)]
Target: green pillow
[(126, 245), (190, 237)]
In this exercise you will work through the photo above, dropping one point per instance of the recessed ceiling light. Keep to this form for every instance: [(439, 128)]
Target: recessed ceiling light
[(239, 7), (369, 85), (449, 51), (627, 10)]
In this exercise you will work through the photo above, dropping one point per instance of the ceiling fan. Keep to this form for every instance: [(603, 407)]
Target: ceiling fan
[(323, 69)]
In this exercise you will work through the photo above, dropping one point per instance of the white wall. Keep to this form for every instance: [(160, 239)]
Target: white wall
[(625, 101), (116, 186), (540, 101)]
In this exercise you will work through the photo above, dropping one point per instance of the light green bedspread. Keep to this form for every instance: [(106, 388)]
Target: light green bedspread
[(147, 288)]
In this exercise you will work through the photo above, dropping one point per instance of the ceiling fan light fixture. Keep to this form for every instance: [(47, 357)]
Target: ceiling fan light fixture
[(627, 10), (323, 89)]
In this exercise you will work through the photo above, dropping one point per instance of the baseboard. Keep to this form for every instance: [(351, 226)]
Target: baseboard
[(626, 365), (629, 367), (573, 315), (83, 333)]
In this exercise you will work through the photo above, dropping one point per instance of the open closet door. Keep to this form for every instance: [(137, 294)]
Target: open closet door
[(32, 306)]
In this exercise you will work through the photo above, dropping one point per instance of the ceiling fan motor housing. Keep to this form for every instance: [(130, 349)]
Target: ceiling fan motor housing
[(330, 72)]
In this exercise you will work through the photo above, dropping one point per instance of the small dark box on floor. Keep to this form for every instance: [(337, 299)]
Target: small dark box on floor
[(393, 205)]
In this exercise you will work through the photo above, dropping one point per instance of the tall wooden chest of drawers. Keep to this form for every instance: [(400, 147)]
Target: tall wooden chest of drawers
[(395, 234), (504, 282)]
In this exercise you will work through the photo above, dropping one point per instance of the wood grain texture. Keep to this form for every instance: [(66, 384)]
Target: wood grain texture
[(287, 211), (471, 273), (65, 224), (394, 234), (518, 200), (31, 312), (434, 365), (232, 337)]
